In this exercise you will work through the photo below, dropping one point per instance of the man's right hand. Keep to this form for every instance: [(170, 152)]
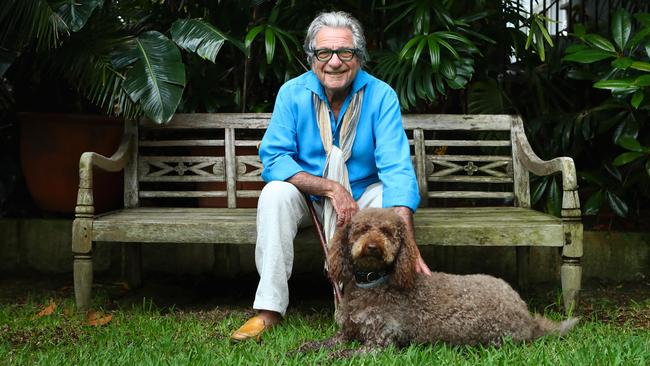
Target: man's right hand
[(342, 200), (344, 204)]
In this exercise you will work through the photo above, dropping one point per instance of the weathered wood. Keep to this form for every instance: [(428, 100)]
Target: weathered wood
[(456, 164), (481, 143), (420, 164), (213, 120), (82, 267), (260, 121), (469, 179), (453, 122), (181, 194), (520, 174), (470, 194), (436, 158), (174, 143), (571, 277), (231, 168), (131, 197)]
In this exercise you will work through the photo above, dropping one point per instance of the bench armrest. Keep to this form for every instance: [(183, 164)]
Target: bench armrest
[(88, 161), (563, 165)]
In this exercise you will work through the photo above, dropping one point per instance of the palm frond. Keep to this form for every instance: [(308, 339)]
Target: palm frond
[(157, 79), (195, 35)]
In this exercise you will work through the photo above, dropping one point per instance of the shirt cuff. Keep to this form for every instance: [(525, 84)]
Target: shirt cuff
[(400, 197), (283, 168)]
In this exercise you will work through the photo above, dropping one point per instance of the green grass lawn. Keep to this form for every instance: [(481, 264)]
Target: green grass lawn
[(615, 330)]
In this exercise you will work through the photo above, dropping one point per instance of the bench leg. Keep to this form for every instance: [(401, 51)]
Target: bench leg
[(523, 263), (83, 280), (571, 273), (132, 264)]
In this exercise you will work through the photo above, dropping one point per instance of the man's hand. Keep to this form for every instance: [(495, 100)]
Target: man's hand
[(342, 201), (421, 266), (344, 204)]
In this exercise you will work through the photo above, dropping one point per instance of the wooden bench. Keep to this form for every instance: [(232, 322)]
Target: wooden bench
[(472, 170)]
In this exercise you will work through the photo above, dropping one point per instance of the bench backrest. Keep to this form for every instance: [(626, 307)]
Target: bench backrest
[(459, 160)]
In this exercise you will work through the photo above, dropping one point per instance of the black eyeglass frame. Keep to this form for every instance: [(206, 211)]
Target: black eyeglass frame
[(355, 52)]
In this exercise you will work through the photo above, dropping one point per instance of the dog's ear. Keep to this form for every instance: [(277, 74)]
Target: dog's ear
[(339, 263), (404, 274)]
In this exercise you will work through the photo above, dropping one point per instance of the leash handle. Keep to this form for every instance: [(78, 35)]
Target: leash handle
[(323, 244)]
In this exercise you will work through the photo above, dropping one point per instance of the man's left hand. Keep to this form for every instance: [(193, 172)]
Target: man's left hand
[(421, 266)]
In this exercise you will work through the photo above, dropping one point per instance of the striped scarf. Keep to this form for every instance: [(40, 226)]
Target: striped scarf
[(335, 168)]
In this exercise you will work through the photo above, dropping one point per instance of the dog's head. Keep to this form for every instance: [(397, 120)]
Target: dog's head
[(374, 242)]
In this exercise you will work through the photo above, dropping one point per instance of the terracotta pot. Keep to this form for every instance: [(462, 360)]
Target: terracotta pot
[(50, 147)]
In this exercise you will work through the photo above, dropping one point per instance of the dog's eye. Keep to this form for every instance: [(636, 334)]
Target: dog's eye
[(386, 231)]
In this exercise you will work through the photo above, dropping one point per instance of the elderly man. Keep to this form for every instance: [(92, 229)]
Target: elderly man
[(336, 134)]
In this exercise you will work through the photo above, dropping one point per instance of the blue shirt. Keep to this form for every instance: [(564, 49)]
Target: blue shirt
[(380, 152)]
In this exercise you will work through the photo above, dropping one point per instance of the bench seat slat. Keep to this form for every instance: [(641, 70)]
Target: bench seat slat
[(185, 194), (482, 226)]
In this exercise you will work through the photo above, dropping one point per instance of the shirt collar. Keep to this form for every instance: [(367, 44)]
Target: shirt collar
[(315, 86)]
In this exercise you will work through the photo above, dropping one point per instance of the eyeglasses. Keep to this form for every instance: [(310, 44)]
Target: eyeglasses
[(344, 54)]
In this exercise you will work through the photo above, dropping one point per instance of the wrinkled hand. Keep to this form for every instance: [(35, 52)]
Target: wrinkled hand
[(421, 266), (344, 204)]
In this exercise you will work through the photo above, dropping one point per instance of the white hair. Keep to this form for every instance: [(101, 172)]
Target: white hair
[(336, 19)]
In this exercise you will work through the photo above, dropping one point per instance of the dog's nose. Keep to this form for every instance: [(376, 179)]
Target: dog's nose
[(372, 249)]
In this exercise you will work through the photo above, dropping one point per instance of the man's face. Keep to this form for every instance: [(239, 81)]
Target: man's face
[(335, 75)]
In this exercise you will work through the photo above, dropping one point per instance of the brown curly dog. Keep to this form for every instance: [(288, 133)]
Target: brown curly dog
[(386, 302)]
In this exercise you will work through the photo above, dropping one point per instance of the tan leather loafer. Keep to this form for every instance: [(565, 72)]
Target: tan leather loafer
[(252, 329)]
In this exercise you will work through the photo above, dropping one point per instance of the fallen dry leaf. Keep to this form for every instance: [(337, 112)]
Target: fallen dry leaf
[(96, 319), (49, 309)]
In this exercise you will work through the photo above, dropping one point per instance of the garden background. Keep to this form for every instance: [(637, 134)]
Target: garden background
[(578, 72)]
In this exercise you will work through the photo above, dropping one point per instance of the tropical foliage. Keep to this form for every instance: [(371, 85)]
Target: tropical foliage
[(619, 63), (585, 95)]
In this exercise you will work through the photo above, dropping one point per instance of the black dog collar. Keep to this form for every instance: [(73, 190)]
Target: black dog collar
[(370, 279)]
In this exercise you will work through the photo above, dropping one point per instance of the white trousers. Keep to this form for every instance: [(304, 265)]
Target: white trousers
[(281, 211)]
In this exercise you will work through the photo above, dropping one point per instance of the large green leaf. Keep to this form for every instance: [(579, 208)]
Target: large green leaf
[(156, 80), (538, 190), (269, 42), (626, 158), (196, 35), (637, 98), (250, 36), (640, 65), (589, 56), (622, 63), (600, 42), (630, 143), (621, 27), (616, 85), (593, 204), (642, 81), (554, 198), (617, 205), (75, 13), (434, 54)]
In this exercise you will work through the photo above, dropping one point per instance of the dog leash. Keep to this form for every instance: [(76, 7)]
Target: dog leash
[(323, 244)]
